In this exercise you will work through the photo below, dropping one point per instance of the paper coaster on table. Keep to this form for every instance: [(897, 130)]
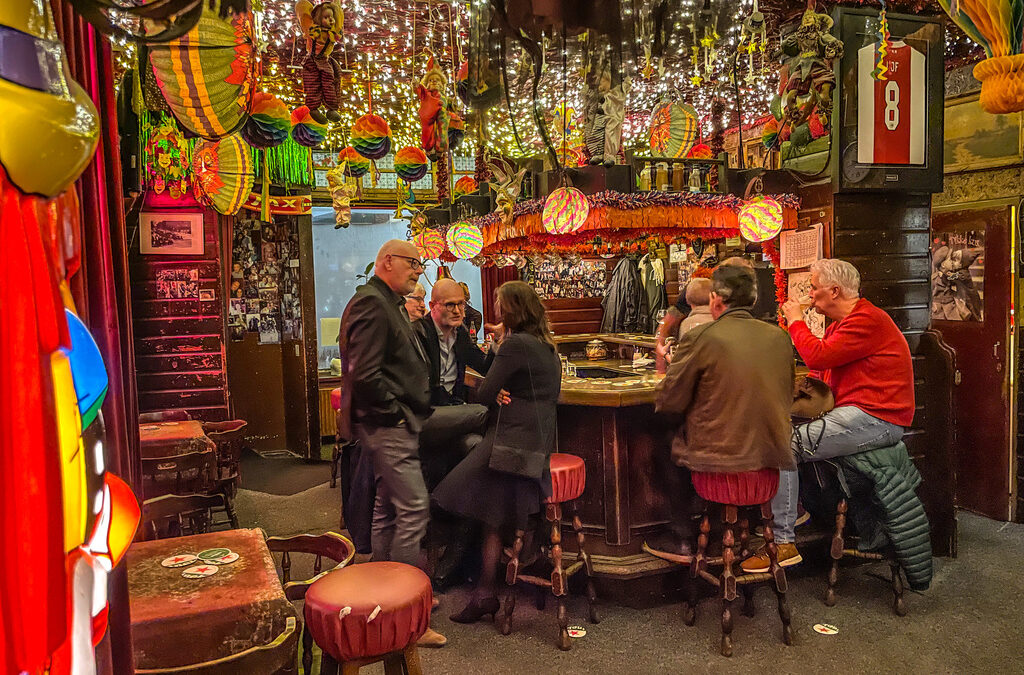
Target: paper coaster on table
[(199, 571), (577, 631), (212, 553), (224, 560), (825, 629), (180, 560)]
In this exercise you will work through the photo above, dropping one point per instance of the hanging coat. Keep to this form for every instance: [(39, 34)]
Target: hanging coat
[(625, 301), (652, 276)]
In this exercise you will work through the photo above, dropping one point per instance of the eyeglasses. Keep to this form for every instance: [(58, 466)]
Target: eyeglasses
[(416, 298), (452, 306), (415, 263)]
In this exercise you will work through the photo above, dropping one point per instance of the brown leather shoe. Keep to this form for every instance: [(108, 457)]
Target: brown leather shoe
[(432, 639), (788, 555)]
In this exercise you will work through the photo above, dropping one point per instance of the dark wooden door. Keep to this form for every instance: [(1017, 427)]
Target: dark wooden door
[(971, 287)]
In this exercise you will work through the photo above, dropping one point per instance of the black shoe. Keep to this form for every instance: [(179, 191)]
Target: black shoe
[(476, 610), (669, 546)]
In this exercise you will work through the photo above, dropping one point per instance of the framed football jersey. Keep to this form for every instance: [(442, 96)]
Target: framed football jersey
[(888, 128)]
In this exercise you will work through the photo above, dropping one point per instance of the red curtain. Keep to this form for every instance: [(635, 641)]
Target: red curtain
[(491, 278), (101, 287)]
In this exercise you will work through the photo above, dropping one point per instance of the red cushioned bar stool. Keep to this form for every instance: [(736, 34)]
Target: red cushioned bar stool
[(336, 453), (368, 613), (568, 478), (732, 491)]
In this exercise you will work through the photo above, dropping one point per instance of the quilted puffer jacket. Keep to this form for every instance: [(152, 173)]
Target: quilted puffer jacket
[(897, 508)]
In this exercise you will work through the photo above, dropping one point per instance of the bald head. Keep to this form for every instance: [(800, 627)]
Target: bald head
[(447, 303), (398, 265)]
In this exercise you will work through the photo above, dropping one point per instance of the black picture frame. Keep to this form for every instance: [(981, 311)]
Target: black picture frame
[(858, 28)]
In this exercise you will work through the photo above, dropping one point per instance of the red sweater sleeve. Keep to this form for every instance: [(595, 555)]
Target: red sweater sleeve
[(851, 339)]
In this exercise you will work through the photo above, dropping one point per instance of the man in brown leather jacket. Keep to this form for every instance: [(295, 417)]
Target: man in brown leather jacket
[(731, 384)]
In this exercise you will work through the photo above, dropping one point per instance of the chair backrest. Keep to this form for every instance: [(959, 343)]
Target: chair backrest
[(190, 471), (164, 416), (329, 545), (269, 658), (173, 512), (227, 436)]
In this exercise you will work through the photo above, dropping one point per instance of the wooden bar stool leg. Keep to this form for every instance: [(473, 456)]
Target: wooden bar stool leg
[(748, 589), (553, 513), (328, 666), (511, 574), (307, 650), (777, 572), (588, 569), (411, 658), (696, 566), (836, 552), (335, 454), (728, 578), (898, 605)]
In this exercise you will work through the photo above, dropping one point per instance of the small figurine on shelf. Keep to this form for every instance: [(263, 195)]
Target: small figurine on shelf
[(433, 110), (321, 71)]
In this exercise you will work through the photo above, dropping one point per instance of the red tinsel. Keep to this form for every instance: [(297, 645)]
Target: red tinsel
[(480, 171), (771, 249), (442, 178)]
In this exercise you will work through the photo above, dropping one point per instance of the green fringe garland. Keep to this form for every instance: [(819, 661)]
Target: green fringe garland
[(288, 163)]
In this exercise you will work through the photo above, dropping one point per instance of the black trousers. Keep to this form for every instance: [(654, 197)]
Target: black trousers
[(678, 487)]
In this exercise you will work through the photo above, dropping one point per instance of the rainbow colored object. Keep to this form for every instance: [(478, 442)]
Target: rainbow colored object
[(305, 130), (466, 185), (565, 211), (464, 240), (770, 133), (269, 122), (371, 136), (429, 242), (673, 129), (411, 164), (356, 166), (700, 151), (760, 219), (996, 26)]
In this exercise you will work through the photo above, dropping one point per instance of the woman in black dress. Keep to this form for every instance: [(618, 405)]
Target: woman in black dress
[(522, 387)]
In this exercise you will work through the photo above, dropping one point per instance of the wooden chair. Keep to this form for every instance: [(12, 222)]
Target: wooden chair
[(227, 436), (276, 656), (176, 515), (839, 550), (330, 545), (187, 473), (164, 416)]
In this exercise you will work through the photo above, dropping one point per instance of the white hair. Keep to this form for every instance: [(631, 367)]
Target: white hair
[(835, 272)]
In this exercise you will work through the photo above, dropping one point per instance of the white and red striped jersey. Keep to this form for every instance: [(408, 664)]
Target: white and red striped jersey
[(891, 112)]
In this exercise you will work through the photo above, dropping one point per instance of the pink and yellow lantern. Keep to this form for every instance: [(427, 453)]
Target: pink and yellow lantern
[(465, 240), (430, 243), (565, 211), (760, 219)]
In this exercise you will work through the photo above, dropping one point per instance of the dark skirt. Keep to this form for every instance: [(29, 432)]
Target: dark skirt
[(497, 499)]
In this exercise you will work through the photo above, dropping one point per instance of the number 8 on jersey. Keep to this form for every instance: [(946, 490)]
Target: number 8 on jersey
[(891, 112)]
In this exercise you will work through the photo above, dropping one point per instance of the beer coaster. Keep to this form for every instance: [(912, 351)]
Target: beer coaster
[(577, 631), (199, 571), (151, 427), (224, 560), (825, 629), (211, 553), (180, 560)]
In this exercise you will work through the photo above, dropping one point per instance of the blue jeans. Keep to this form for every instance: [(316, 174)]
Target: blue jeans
[(843, 431)]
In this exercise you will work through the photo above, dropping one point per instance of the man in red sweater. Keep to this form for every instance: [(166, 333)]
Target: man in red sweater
[(866, 361)]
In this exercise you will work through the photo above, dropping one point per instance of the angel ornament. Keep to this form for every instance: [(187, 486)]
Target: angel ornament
[(507, 187), (433, 111), (321, 71)]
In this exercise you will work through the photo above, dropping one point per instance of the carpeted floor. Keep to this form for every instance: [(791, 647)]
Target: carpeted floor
[(967, 622), (281, 475)]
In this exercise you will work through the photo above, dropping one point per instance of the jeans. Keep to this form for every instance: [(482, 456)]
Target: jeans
[(843, 431), (402, 508)]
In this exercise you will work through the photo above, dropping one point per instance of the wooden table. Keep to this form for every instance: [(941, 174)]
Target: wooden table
[(167, 439), (178, 622)]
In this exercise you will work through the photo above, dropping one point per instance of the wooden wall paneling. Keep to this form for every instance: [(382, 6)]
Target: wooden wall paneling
[(302, 417), (180, 342)]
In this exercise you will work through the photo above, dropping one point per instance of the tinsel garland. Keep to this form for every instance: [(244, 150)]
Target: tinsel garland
[(442, 178), (771, 249), (288, 163), (480, 171), (617, 241)]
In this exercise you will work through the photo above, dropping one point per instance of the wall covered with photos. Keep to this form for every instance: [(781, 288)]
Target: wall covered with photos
[(264, 290), (566, 278)]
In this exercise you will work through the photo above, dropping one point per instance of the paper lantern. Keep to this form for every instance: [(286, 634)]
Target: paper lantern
[(700, 151), (410, 164), (224, 173), (565, 211), (87, 370), (465, 186), (356, 166), (464, 240), (306, 130), (760, 219), (430, 243), (770, 133), (371, 136), (996, 26), (673, 129), (269, 122)]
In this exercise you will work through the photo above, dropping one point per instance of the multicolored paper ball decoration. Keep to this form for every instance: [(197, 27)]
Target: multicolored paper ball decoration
[(565, 211), (760, 219), (700, 151), (305, 130), (466, 185), (430, 243), (770, 133), (356, 166), (465, 240), (411, 164), (371, 136), (269, 122), (673, 129)]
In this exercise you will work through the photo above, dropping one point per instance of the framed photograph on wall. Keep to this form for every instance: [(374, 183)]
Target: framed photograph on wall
[(975, 139), (171, 233)]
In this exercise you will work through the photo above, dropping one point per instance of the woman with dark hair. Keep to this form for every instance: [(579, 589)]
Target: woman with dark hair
[(504, 479)]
